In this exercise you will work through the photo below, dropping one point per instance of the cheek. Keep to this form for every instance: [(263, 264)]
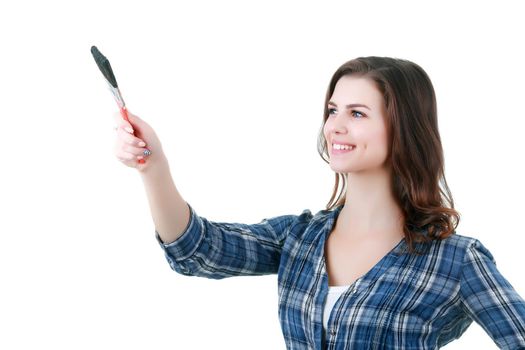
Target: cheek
[(380, 142), (325, 130), (373, 140), (326, 124)]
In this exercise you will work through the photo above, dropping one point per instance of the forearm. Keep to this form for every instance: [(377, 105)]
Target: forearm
[(169, 210)]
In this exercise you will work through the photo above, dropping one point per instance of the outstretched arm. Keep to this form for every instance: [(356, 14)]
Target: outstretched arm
[(219, 249)]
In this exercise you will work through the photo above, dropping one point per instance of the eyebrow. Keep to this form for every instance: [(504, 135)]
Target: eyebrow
[(352, 105)]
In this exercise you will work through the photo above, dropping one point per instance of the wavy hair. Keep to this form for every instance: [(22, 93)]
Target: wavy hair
[(415, 149)]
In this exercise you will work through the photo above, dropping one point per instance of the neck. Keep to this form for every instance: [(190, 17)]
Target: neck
[(370, 208)]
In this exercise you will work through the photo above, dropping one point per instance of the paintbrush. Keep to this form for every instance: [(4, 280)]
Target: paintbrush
[(105, 67)]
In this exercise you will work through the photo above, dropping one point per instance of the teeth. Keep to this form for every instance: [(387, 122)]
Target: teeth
[(337, 146)]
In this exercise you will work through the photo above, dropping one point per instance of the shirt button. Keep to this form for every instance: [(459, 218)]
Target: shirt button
[(332, 331)]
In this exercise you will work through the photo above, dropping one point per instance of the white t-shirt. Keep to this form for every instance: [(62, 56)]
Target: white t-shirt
[(333, 294)]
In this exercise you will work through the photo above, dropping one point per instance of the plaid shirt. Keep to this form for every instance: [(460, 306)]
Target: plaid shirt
[(404, 302)]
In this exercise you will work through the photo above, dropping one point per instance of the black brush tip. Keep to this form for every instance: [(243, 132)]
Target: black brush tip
[(104, 66)]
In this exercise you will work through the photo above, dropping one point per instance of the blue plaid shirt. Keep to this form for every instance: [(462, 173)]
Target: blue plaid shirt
[(404, 302)]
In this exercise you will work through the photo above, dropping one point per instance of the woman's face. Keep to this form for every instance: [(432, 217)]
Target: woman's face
[(356, 116)]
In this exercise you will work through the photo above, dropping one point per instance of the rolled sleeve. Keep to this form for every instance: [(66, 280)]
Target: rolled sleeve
[(179, 251), (186, 244)]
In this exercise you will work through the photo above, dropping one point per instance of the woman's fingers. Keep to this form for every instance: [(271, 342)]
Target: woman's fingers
[(135, 151), (121, 123), (129, 148), (125, 156), (138, 147), (130, 139)]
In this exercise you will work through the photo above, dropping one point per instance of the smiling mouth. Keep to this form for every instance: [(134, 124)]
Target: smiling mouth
[(342, 151)]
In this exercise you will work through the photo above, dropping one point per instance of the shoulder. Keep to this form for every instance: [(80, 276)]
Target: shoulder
[(447, 259), (458, 241), (308, 226), (459, 250), (320, 217), (468, 245)]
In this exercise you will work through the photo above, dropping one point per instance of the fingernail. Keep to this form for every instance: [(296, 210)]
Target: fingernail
[(128, 129), (142, 144)]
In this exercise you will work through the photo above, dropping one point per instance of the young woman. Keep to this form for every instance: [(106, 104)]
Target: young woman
[(382, 267)]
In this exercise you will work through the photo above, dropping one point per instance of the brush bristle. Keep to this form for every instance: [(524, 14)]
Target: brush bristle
[(104, 66)]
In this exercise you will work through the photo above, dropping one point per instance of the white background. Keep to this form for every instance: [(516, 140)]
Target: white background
[(235, 93)]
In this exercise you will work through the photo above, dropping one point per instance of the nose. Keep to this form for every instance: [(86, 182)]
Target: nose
[(335, 125)]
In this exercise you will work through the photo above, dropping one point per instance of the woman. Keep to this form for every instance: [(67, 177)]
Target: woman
[(382, 267)]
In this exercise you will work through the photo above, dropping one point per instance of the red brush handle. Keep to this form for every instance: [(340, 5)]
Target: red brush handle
[(124, 114)]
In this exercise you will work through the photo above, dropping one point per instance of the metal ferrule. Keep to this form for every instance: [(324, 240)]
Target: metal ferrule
[(117, 95)]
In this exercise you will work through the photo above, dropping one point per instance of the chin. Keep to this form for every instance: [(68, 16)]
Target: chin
[(340, 169)]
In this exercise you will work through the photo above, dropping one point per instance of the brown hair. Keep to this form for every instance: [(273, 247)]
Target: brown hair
[(415, 150)]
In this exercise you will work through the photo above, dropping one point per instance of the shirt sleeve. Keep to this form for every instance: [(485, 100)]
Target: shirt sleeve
[(218, 249), (490, 300)]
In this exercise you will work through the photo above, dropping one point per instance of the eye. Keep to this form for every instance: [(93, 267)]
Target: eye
[(361, 114)]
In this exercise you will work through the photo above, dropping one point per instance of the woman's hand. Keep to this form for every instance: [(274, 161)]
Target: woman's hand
[(128, 146)]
